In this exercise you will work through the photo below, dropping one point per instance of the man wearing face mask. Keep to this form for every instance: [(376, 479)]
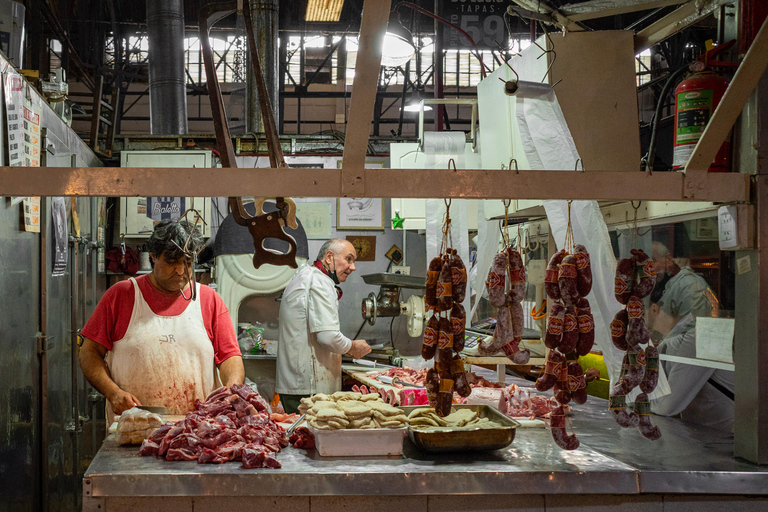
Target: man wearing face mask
[(310, 341)]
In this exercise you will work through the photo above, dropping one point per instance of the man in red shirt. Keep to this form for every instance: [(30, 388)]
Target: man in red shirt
[(155, 341)]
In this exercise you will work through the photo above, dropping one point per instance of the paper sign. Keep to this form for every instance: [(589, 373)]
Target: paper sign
[(32, 214), (727, 227), (743, 265), (30, 114), (714, 338), (14, 102)]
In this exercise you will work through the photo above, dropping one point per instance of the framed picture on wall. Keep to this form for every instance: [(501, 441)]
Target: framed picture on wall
[(360, 213), (316, 219)]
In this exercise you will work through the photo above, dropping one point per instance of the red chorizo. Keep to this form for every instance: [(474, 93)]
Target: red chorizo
[(586, 327), (432, 383), (635, 371), (458, 277), (643, 410), (577, 383), (444, 398), (554, 366), (570, 331), (458, 322), (561, 437), (444, 290), (645, 274), (619, 330), (445, 341), (555, 323), (497, 279), (503, 332), (583, 270), (637, 334), (617, 404), (551, 285), (625, 270), (561, 389), (651, 375), (516, 271), (566, 279), (430, 294), (429, 346), (514, 354), (459, 376)]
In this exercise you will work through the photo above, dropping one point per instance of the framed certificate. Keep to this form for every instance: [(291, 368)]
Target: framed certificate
[(360, 213)]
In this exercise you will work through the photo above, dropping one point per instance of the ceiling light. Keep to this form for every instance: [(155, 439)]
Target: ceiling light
[(414, 103), (324, 10), (398, 45)]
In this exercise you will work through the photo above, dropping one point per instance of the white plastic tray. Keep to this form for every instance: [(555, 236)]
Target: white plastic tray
[(359, 442)]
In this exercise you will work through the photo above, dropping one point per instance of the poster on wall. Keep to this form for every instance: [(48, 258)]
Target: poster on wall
[(60, 237), (13, 95), (483, 21), (30, 114), (360, 213), (315, 218), (31, 214)]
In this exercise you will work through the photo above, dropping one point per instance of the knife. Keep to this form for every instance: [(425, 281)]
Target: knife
[(394, 380)]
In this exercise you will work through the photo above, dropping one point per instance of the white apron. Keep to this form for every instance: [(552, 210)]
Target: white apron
[(165, 361)]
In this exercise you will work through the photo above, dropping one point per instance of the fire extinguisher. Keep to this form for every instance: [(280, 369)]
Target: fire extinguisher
[(696, 99)]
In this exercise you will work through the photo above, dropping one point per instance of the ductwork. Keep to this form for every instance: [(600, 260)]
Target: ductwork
[(264, 14), (167, 81)]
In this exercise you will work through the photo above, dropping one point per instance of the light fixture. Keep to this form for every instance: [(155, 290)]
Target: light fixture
[(324, 10), (398, 45), (414, 103)]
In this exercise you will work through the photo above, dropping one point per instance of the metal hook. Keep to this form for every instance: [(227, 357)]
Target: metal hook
[(451, 163), (544, 52), (580, 161), (506, 202), (517, 170)]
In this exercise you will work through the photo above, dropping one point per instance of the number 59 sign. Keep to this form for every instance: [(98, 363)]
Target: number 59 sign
[(483, 20)]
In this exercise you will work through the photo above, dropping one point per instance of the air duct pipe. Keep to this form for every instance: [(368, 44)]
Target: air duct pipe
[(264, 14), (167, 81)]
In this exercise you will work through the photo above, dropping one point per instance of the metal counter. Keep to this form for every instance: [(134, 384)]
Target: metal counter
[(611, 460)]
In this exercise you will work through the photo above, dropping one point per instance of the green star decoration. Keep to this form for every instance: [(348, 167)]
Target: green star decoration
[(397, 222)]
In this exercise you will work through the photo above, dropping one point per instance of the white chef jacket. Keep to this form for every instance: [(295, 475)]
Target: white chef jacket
[(693, 395), (306, 365)]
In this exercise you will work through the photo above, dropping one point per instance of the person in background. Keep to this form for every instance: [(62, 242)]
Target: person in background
[(310, 342), (148, 344), (699, 394), (687, 292)]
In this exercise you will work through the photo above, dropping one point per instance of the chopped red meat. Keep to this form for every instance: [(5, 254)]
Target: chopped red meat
[(220, 429), (257, 456), (148, 448), (302, 437)]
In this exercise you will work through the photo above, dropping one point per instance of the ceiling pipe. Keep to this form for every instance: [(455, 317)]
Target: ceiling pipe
[(264, 14), (167, 81)]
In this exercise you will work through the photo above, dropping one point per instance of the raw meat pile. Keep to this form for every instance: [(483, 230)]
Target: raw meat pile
[(521, 403), (570, 334), (407, 375), (634, 280), (230, 425)]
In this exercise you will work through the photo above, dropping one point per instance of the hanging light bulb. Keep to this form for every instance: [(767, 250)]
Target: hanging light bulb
[(414, 103)]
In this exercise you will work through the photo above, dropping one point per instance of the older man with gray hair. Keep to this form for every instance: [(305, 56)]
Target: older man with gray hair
[(310, 340)]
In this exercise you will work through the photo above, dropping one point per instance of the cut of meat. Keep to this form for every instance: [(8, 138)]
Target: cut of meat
[(220, 429)]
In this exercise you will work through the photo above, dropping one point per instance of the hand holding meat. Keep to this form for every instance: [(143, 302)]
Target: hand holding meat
[(122, 401)]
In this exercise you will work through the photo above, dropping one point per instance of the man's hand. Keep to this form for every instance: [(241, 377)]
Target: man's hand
[(591, 374), (359, 349), (122, 401)]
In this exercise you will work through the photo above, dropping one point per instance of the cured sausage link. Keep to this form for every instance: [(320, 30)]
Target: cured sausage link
[(561, 437), (643, 410)]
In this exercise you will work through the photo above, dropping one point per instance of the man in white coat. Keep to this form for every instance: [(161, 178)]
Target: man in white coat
[(310, 340)]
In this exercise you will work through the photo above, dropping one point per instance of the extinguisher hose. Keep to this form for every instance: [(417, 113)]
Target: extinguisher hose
[(651, 156)]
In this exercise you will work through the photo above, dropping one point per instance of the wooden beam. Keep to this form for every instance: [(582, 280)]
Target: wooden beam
[(386, 183), (728, 110), (372, 30), (674, 22), (603, 8)]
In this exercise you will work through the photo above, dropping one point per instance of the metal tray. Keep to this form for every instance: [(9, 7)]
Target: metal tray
[(400, 280), (465, 438)]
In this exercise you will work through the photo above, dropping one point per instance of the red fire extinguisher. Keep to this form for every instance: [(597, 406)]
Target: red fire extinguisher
[(696, 99)]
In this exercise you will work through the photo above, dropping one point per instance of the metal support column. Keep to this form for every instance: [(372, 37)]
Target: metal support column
[(750, 353)]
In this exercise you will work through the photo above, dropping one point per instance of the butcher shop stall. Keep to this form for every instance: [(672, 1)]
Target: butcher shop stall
[(555, 257)]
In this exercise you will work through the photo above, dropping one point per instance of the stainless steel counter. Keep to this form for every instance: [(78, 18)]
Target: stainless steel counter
[(611, 460)]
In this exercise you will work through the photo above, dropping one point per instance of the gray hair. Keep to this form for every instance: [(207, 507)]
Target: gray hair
[(169, 237), (335, 245)]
